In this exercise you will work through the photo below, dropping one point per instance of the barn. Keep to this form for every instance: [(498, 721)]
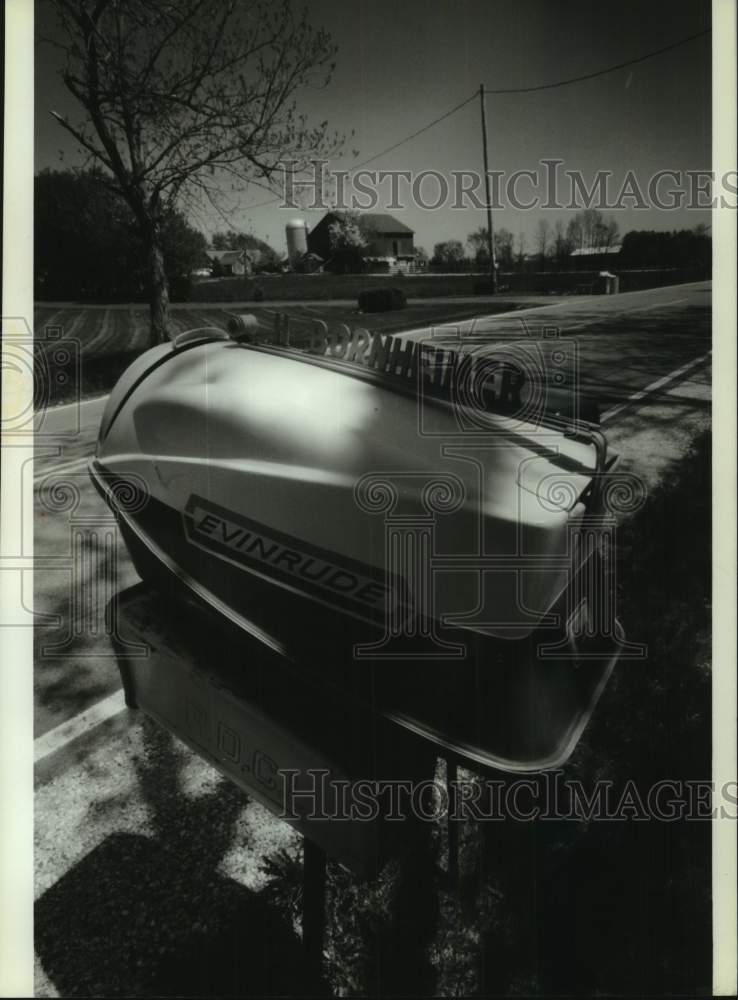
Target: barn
[(389, 239)]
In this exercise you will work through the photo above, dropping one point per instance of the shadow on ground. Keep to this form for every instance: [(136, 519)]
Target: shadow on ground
[(129, 920), (152, 916)]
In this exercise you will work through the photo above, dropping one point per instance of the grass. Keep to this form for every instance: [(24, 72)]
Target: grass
[(107, 339), (297, 287)]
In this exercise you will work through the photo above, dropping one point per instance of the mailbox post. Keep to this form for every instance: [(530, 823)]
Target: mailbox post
[(292, 746)]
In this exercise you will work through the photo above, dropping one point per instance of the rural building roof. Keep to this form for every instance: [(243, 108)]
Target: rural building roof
[(595, 251), (228, 256), (381, 222)]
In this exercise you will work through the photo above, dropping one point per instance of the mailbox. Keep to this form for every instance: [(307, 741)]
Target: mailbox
[(328, 767)]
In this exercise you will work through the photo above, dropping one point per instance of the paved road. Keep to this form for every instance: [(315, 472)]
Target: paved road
[(617, 344)]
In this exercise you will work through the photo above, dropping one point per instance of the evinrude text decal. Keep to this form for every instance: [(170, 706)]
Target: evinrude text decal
[(323, 575)]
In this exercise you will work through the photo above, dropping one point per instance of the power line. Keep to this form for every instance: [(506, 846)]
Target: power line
[(376, 156), (261, 204), (511, 90), (420, 131), (599, 72)]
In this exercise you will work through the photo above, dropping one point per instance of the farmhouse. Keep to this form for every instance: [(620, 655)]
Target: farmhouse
[(389, 239), (230, 262)]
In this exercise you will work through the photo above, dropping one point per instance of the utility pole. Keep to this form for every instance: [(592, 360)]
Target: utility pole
[(490, 234)]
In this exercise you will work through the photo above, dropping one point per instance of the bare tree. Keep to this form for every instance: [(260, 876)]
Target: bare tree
[(520, 254), (449, 253), (478, 242), (543, 238), (561, 245), (181, 99), (609, 234), (596, 230), (575, 233), (504, 240)]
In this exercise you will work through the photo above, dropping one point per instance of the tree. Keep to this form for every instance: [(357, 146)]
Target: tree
[(543, 238), (88, 246), (598, 231), (561, 245), (575, 233), (589, 229), (520, 254), (179, 98), (183, 247), (504, 241), (610, 234), (449, 253), (263, 256), (685, 248), (479, 245), (81, 237), (349, 239)]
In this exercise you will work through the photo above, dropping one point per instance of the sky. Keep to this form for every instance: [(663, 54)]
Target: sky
[(401, 65)]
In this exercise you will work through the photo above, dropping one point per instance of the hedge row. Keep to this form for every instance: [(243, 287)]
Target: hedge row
[(382, 299)]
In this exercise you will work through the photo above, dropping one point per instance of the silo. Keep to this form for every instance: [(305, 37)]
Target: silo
[(296, 230)]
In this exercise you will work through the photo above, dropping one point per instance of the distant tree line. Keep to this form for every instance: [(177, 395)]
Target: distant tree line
[(88, 245), (682, 248), (552, 245)]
